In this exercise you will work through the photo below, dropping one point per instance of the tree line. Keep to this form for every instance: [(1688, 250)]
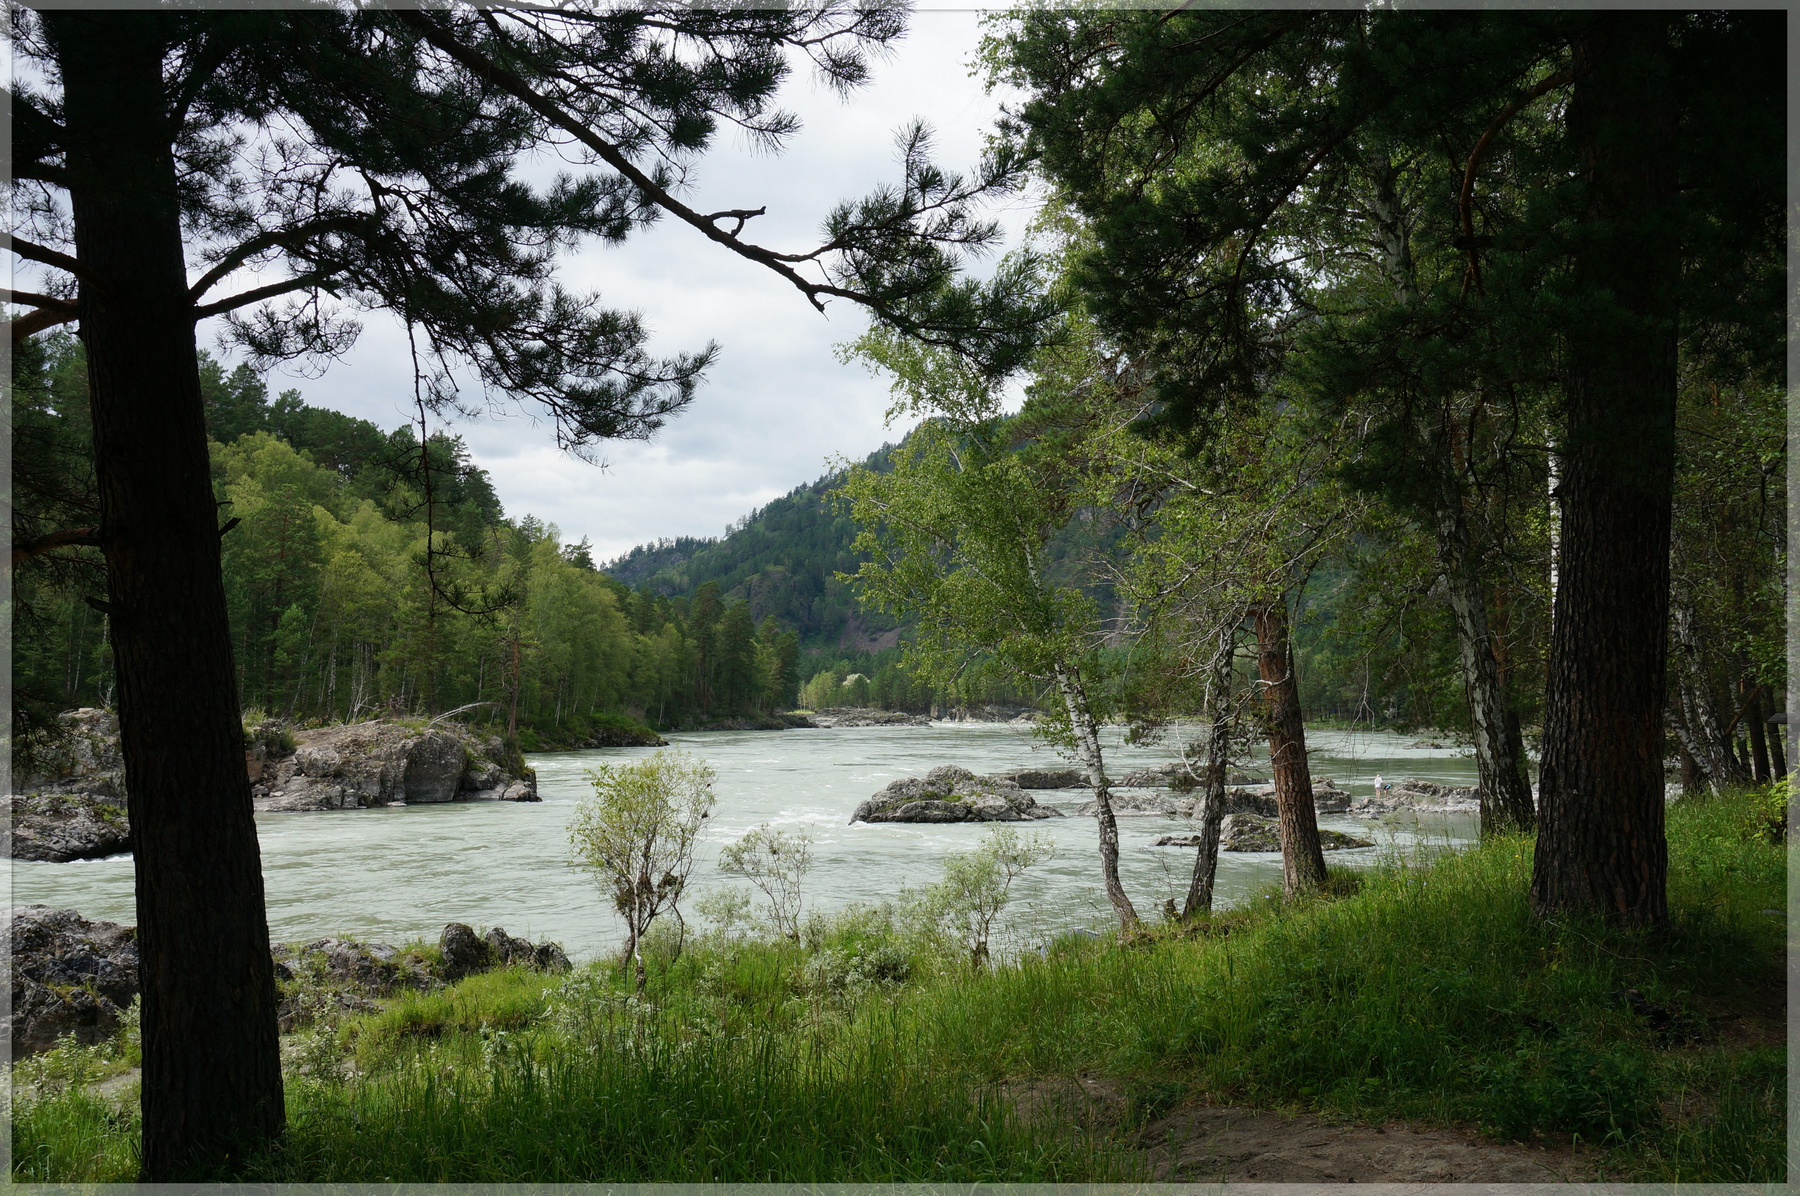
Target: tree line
[(333, 613)]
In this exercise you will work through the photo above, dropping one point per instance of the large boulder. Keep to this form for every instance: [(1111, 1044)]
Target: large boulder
[(67, 826), (384, 762), (952, 794), (69, 976), (1131, 805), (864, 716)]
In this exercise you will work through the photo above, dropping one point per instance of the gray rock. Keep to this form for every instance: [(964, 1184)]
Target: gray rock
[(544, 957), (435, 762), (67, 826), (1045, 778), (481, 775), (1176, 775), (464, 953), (1136, 805), (864, 716), (952, 794), (382, 763), (69, 976), (1248, 832)]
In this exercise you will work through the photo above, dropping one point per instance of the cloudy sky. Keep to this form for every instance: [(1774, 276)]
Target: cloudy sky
[(777, 404)]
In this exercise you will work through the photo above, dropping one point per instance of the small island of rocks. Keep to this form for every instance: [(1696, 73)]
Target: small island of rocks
[(952, 794)]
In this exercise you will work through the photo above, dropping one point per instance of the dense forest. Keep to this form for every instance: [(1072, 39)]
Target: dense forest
[(359, 584)]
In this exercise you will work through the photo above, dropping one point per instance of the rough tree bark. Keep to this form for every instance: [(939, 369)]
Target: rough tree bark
[(1601, 847), (1302, 858), (1087, 748), (211, 1083), (1505, 794), (211, 1069)]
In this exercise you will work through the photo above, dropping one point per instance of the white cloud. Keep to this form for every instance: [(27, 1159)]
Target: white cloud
[(777, 404)]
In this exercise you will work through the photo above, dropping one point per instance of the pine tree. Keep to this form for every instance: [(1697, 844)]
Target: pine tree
[(391, 189)]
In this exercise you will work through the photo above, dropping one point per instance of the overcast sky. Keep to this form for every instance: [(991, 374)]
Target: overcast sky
[(777, 404)]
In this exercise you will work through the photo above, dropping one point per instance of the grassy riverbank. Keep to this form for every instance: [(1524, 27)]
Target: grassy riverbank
[(869, 1053)]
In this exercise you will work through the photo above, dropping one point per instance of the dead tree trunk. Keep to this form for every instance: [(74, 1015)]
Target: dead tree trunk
[(1302, 859), (211, 1065), (1087, 748)]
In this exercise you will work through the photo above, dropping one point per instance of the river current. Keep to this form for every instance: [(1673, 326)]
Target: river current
[(395, 874)]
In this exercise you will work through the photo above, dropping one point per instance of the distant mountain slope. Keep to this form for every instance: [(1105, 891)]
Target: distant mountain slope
[(782, 559)]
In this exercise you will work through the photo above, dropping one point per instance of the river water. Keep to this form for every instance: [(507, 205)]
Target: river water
[(396, 874)]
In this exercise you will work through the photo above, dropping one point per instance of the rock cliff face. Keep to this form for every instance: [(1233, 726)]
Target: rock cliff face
[(389, 764), (952, 794)]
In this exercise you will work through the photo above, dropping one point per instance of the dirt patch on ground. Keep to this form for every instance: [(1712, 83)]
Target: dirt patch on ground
[(1199, 1142)]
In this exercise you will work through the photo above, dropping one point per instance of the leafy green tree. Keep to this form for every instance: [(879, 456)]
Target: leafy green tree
[(637, 834), (1652, 212), (956, 533), (775, 862), (977, 885)]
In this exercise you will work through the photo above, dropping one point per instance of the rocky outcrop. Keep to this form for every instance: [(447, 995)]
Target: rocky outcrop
[(1249, 832), (73, 976), (81, 755), (464, 953), (864, 716), (1412, 793), (952, 794), (69, 976), (67, 826), (383, 763), (1259, 801), (1045, 778)]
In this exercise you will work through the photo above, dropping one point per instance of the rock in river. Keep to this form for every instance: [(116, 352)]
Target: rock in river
[(952, 794), (1250, 832), (67, 826), (383, 763)]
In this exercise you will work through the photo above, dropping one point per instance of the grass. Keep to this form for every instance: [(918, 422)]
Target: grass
[(867, 1052)]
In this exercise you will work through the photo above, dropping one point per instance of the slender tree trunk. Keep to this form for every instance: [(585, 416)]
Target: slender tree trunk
[(211, 1068), (1759, 745), (1087, 747), (1302, 859), (1777, 753), (1601, 847), (1698, 725), (1211, 812), (1499, 761)]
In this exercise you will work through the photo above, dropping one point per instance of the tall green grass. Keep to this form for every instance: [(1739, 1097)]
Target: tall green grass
[(1429, 992)]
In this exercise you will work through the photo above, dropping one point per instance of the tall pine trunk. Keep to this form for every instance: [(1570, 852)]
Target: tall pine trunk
[(1087, 748), (1601, 847), (1505, 794), (211, 1068), (1302, 858)]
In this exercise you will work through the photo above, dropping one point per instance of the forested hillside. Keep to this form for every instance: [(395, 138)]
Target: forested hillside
[(351, 594)]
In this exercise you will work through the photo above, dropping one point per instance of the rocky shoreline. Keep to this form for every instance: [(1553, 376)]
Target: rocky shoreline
[(71, 801), (73, 976)]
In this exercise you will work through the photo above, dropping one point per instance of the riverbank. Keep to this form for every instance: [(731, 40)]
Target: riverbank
[(1426, 998)]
